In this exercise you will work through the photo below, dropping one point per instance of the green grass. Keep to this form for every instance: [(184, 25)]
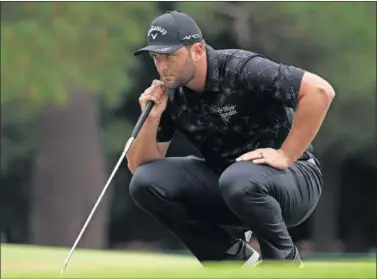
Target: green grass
[(44, 262)]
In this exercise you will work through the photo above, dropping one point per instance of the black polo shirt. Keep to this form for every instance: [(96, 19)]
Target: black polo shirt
[(248, 103)]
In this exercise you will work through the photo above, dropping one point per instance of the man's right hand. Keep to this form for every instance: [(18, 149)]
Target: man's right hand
[(158, 94)]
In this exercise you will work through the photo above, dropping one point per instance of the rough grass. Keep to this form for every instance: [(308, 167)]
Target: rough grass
[(45, 262)]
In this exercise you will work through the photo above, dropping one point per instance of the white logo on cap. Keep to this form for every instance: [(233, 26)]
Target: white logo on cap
[(164, 49), (159, 29), (194, 36)]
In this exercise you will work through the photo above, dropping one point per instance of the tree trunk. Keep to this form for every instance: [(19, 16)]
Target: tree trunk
[(325, 222), (69, 176)]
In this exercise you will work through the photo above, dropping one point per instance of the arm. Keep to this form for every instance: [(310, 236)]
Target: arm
[(314, 98), (144, 148), (305, 92), (151, 143), (163, 147)]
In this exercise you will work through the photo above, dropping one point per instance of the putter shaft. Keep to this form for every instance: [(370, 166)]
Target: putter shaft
[(128, 144), (134, 134)]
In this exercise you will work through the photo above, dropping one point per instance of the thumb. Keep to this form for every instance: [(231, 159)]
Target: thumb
[(157, 83)]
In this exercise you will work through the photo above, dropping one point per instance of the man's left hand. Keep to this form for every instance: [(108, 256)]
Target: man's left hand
[(269, 156)]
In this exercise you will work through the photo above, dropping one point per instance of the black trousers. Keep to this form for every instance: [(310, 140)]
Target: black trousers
[(195, 203)]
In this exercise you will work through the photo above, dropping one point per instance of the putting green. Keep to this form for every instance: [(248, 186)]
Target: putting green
[(23, 261)]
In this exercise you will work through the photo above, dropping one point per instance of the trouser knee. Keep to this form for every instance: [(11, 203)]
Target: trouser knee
[(143, 183), (236, 184)]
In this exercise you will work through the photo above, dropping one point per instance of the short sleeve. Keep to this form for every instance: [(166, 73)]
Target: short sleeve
[(166, 128), (274, 80)]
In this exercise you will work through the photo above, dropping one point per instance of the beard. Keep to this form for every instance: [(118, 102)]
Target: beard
[(184, 79), (179, 82)]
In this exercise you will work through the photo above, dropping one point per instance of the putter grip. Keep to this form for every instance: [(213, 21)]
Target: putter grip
[(142, 118)]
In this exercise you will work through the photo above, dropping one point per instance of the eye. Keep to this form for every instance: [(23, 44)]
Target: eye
[(171, 55)]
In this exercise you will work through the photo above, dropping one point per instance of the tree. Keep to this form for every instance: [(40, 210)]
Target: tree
[(58, 60), (47, 47)]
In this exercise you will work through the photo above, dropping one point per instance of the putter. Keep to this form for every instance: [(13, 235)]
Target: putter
[(129, 142)]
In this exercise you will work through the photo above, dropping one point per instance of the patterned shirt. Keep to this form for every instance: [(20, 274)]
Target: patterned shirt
[(249, 102)]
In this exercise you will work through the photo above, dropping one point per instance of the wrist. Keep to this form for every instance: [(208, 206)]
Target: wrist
[(289, 159), (153, 119)]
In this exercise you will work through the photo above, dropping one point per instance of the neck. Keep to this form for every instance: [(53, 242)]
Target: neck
[(198, 83)]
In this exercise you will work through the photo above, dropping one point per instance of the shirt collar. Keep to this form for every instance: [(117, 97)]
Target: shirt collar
[(213, 76)]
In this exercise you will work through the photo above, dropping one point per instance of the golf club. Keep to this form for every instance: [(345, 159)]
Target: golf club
[(134, 134)]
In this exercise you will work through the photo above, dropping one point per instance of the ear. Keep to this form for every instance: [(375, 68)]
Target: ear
[(197, 51)]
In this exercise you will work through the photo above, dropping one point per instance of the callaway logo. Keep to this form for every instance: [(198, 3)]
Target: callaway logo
[(159, 29)]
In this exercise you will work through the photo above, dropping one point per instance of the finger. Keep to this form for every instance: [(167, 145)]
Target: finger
[(259, 161), (156, 95), (249, 156), (147, 98), (152, 92), (160, 89), (157, 88), (146, 91), (245, 157), (157, 83)]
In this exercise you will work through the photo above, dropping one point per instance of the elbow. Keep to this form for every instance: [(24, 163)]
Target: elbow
[(317, 87), (131, 165), (324, 88), (327, 94), (326, 91), (131, 168)]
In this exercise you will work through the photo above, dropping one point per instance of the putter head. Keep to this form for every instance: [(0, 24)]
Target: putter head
[(64, 266), (62, 271)]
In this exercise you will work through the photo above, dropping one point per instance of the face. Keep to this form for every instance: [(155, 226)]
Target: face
[(177, 68)]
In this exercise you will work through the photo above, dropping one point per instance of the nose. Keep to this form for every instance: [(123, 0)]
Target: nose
[(162, 65)]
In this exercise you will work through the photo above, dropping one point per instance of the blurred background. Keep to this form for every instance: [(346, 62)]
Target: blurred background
[(69, 100)]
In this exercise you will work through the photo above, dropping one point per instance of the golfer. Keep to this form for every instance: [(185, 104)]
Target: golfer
[(253, 120)]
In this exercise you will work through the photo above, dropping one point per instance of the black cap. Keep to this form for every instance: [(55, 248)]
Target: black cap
[(171, 31)]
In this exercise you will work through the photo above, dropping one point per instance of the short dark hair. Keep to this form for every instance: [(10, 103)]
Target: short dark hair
[(189, 46)]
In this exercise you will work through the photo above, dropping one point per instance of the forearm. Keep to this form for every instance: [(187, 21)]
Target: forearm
[(144, 148), (310, 114)]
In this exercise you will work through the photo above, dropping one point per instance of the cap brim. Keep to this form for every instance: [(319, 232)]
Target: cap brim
[(163, 49)]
